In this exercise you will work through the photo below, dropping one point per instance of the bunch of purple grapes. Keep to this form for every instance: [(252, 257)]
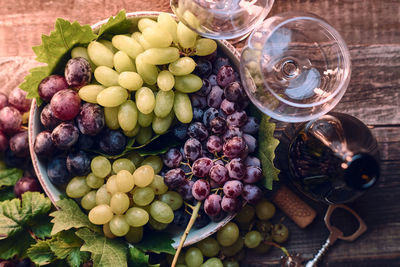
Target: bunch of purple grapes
[(217, 163)]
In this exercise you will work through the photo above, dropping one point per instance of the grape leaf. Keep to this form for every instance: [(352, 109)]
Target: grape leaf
[(40, 253), (105, 252), (7, 193), (9, 177), (17, 244), (16, 213), (137, 258), (70, 216), (157, 242), (115, 25), (42, 226)]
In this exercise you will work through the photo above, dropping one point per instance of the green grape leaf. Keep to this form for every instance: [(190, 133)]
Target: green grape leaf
[(7, 193), (76, 257), (16, 214), (16, 245), (115, 25), (70, 216), (42, 226), (40, 253), (157, 242), (137, 258), (105, 252), (9, 177)]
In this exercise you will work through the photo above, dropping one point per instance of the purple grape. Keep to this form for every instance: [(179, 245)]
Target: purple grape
[(43, 146), (252, 161), (252, 193), (65, 135), (206, 154), (13, 161), (10, 120), (253, 175), (213, 80), (78, 163), (174, 178), (237, 119), (3, 142), (26, 184), (211, 57), (198, 131), (228, 107), (201, 167), (78, 72), (185, 189), (219, 174), (214, 184), (215, 97), (65, 104), (218, 125), (251, 126), (234, 147), (236, 169), (192, 149), (232, 132), (51, 85), (181, 218), (48, 119), (173, 158), (57, 171), (198, 101), (19, 144), (219, 217), (233, 189), (214, 144), (24, 263), (17, 98), (90, 119), (201, 189), (85, 142), (203, 68), (234, 92), (3, 100), (212, 205), (230, 205), (180, 131), (112, 142), (219, 62), (205, 88), (202, 220), (225, 76), (198, 114), (209, 115), (251, 142)]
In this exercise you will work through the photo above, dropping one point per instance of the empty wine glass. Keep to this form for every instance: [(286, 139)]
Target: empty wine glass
[(296, 67), (221, 19)]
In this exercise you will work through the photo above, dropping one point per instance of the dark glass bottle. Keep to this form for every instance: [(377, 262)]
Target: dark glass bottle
[(334, 159)]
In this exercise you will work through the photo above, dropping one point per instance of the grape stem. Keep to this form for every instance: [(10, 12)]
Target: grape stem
[(278, 246), (185, 234)]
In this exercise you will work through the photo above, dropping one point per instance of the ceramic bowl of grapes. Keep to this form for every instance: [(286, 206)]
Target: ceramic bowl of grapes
[(146, 125)]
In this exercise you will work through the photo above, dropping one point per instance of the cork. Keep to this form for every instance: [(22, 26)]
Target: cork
[(295, 208)]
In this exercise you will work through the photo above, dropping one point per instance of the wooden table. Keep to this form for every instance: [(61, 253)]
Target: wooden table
[(371, 29)]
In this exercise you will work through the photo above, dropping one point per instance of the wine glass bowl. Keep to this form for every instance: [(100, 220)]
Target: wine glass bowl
[(221, 19), (295, 67)]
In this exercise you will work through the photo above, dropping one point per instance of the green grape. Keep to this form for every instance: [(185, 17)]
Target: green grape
[(136, 36), (106, 76), (264, 227), (183, 66), (119, 203), (130, 80), (88, 202), (186, 37), (245, 215), (158, 185), (161, 125), (77, 187), (157, 225), (119, 226), (189, 83), (123, 164), (134, 132), (111, 185), (112, 96), (136, 217), (101, 166), (280, 233), (193, 257), (157, 37), (109, 45), (146, 45), (209, 247), (148, 72), (124, 181), (79, 51), (265, 210), (233, 249), (228, 234), (107, 232), (146, 22), (144, 175), (160, 56), (173, 199), (144, 135), (154, 161), (145, 100), (3, 165), (128, 45), (103, 196), (191, 20), (165, 80), (135, 158), (111, 117), (166, 22), (93, 181), (134, 235), (89, 92), (183, 107), (100, 214), (161, 212), (252, 239), (142, 196), (205, 46), (128, 115), (164, 103), (100, 55), (122, 62), (230, 263), (213, 262), (145, 120)]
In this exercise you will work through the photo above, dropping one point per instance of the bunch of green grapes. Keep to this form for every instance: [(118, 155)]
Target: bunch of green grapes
[(141, 79), (124, 198), (251, 230)]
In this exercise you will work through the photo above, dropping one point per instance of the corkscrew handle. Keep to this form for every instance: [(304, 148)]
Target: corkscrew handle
[(334, 235)]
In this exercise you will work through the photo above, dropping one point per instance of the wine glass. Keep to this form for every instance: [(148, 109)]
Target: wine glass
[(221, 19), (295, 67)]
